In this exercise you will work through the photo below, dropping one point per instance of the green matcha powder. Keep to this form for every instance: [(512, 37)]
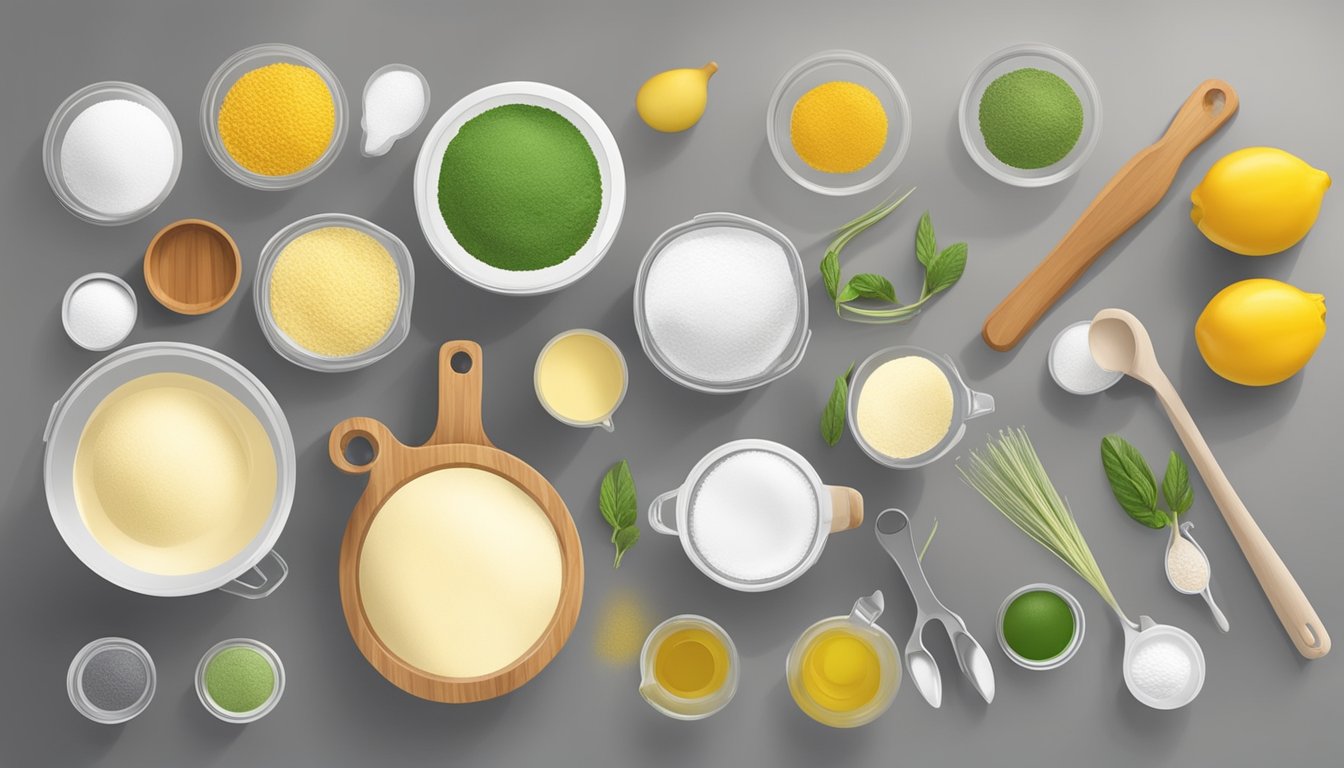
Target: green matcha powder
[(1030, 118), (519, 188), (239, 679)]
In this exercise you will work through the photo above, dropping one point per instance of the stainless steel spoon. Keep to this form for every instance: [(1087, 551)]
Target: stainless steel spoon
[(893, 533)]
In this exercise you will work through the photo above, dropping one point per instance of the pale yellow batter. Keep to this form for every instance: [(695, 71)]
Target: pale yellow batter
[(905, 407), (173, 475), (460, 572)]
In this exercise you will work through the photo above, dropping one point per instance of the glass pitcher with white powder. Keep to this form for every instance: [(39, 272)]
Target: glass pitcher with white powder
[(753, 515)]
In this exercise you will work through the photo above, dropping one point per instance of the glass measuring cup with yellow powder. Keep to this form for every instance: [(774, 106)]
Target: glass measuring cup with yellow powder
[(844, 671), (908, 406), (581, 378), (333, 292), (689, 668)]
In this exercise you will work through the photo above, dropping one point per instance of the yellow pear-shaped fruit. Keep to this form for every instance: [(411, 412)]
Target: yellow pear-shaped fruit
[(674, 100), (1259, 200), (1260, 332)]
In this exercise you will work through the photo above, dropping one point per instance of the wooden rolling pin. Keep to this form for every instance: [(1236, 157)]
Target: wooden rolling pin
[(1134, 191)]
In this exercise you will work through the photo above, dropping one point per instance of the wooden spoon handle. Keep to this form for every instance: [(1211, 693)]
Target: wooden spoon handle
[(1134, 191), (461, 378), (1290, 603)]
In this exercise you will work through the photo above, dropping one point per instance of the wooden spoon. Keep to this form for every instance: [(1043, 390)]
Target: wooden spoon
[(1119, 342), (1135, 190)]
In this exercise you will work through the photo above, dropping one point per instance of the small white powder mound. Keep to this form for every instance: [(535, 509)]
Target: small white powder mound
[(1186, 566), (721, 303), (101, 314), (1161, 668), (117, 157), (392, 106), (1073, 366), (754, 516)]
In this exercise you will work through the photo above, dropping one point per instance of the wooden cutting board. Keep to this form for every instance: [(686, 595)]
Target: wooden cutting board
[(459, 440)]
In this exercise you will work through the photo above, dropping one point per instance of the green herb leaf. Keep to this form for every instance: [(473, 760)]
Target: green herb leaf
[(616, 498), (1176, 486), (869, 286), (926, 245), (833, 416), (624, 539), (946, 269), (830, 273), (1131, 480)]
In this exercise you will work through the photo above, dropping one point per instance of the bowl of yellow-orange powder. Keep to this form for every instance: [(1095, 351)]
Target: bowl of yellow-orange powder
[(838, 123), (273, 117), (333, 292)]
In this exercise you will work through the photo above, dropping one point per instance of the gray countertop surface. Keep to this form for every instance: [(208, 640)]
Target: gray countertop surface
[(1279, 445)]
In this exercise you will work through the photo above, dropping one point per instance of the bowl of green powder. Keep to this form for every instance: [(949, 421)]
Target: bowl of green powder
[(520, 188), (1030, 115), (240, 680)]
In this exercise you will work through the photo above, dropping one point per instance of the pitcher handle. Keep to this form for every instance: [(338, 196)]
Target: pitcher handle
[(656, 513), (981, 404), (269, 581)]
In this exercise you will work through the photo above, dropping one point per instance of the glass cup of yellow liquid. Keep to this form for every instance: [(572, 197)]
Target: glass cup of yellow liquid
[(688, 668), (844, 671), (581, 378)]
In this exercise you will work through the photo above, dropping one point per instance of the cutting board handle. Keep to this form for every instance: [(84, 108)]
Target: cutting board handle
[(372, 431), (1209, 106), (460, 387)]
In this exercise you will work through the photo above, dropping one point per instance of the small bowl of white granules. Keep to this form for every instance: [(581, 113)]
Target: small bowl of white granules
[(1164, 666), (99, 311), (1071, 364)]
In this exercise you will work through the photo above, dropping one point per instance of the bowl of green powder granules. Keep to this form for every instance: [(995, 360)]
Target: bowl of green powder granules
[(240, 680), (520, 188), (1030, 115)]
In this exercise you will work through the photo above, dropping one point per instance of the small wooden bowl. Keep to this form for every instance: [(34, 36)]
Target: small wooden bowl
[(192, 267)]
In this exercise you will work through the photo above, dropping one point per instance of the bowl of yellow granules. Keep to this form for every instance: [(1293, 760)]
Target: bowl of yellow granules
[(333, 292), (273, 117), (838, 123)]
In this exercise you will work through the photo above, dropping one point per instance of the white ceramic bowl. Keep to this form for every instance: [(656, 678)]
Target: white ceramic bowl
[(825, 67), (477, 272), (1038, 56)]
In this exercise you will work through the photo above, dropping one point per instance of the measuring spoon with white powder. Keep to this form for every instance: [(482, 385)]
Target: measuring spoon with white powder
[(1188, 569), (396, 99)]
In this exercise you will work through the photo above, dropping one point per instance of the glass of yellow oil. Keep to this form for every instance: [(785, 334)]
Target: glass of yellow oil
[(844, 671), (581, 378), (688, 668)]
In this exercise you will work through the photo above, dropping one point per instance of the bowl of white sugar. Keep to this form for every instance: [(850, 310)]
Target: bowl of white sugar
[(753, 515), (721, 304), (112, 153)]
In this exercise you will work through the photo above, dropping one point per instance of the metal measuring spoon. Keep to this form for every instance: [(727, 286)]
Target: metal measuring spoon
[(1207, 592), (893, 533)]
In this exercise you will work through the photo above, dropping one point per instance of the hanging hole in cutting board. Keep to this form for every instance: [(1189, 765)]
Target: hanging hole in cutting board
[(1214, 101), (359, 450), (461, 362)]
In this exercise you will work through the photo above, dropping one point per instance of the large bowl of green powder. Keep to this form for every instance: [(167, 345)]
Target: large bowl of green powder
[(1030, 115), (520, 188)]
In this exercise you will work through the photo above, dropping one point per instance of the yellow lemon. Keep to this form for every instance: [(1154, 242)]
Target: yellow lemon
[(1259, 200), (1260, 332), (674, 100)]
